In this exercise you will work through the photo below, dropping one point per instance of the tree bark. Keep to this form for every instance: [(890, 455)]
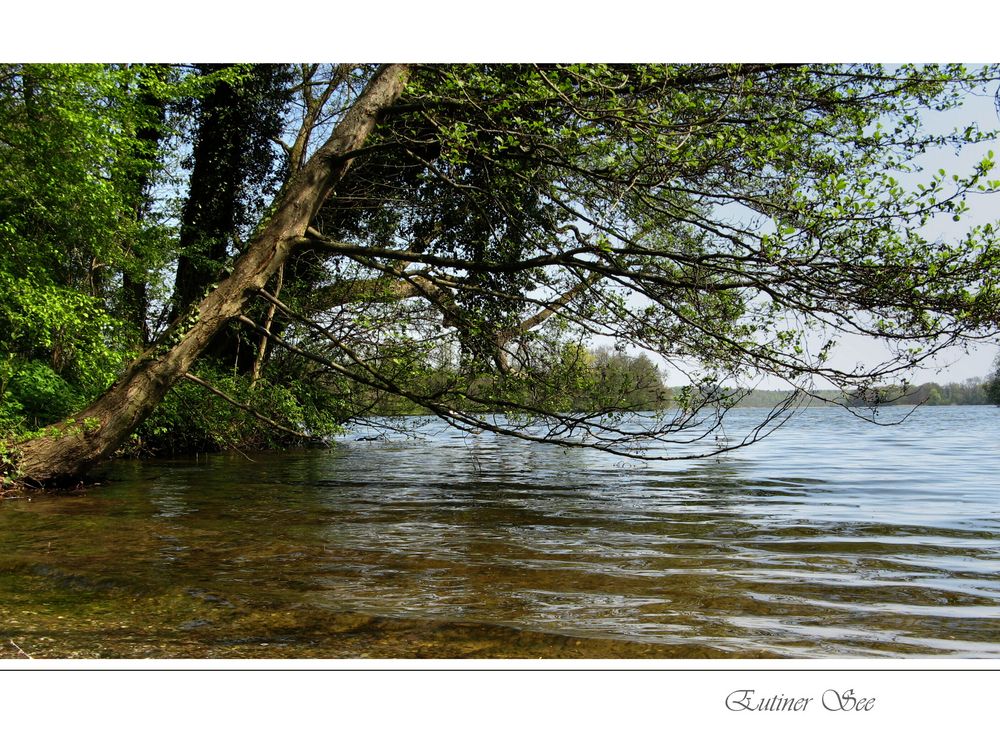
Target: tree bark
[(70, 448)]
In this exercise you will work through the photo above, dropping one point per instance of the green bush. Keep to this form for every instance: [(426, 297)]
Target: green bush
[(191, 419), (37, 395)]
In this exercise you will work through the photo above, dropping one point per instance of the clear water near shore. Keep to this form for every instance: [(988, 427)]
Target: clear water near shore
[(832, 537)]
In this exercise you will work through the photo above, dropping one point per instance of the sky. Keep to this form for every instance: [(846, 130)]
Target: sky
[(512, 31)]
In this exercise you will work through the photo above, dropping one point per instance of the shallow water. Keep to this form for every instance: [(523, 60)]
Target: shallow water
[(833, 537)]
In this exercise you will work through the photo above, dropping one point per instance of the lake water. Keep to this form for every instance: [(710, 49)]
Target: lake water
[(831, 538)]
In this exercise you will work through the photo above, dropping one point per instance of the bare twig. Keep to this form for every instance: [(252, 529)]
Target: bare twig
[(258, 363)]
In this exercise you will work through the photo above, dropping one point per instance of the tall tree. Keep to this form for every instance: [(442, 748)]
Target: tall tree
[(235, 170), (149, 94)]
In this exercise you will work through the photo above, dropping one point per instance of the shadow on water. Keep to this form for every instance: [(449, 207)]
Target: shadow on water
[(833, 538)]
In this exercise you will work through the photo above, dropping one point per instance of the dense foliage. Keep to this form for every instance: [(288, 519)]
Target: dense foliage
[(727, 222), (98, 240), (592, 380), (68, 231)]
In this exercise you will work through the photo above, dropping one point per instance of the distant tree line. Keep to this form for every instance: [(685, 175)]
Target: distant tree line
[(593, 380), (971, 392), (604, 379)]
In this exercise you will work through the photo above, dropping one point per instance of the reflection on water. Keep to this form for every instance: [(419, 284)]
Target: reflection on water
[(831, 538)]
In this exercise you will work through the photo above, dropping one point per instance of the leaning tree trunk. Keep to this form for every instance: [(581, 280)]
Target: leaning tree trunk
[(69, 449)]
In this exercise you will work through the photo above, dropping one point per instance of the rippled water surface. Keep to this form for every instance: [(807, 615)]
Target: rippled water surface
[(833, 537)]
